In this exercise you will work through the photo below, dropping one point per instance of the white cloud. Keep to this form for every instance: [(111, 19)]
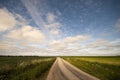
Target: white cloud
[(98, 43), (7, 20), (59, 47), (104, 44), (6, 47), (27, 34), (76, 38), (67, 45), (56, 45)]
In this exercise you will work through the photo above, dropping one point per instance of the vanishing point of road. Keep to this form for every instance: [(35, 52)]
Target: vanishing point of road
[(62, 70)]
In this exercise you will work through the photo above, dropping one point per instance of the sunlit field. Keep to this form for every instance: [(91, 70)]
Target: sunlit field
[(37, 68), (25, 68), (105, 68)]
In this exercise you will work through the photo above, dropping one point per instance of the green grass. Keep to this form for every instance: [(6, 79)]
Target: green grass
[(25, 68), (105, 68)]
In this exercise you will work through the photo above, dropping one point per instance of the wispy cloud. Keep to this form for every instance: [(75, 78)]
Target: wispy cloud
[(47, 21), (117, 25), (50, 17), (48, 36), (52, 25), (55, 32)]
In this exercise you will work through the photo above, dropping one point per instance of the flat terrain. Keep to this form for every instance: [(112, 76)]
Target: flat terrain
[(25, 68), (62, 70), (105, 68), (50, 68)]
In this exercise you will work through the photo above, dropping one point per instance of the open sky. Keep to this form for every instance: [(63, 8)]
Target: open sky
[(60, 27)]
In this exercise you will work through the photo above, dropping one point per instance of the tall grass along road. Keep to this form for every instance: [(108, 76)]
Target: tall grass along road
[(104, 68), (62, 70), (25, 68)]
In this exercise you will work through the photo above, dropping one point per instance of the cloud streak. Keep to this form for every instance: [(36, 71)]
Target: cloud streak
[(55, 32), (48, 24), (117, 25)]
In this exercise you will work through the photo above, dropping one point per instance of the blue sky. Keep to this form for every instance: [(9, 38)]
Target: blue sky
[(60, 27)]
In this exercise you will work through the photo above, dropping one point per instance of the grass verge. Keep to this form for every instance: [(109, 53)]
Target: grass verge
[(105, 68), (24, 68)]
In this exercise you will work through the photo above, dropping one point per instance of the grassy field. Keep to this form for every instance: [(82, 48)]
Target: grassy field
[(24, 68), (105, 68)]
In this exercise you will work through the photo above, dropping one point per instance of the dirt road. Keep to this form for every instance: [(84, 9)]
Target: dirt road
[(62, 70)]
